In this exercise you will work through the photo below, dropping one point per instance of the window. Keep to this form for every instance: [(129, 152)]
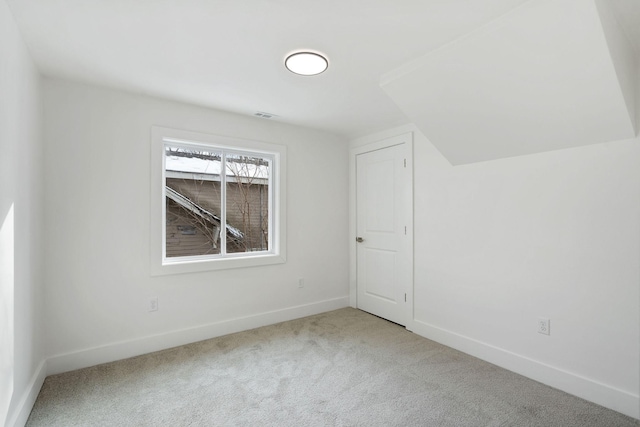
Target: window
[(206, 187), (217, 202)]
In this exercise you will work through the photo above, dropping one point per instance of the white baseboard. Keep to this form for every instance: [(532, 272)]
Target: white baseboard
[(602, 394), (28, 398), (130, 348)]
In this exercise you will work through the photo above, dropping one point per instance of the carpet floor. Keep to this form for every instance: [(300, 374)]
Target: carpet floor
[(342, 368)]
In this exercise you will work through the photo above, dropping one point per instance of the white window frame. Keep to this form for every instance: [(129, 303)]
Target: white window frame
[(159, 263)]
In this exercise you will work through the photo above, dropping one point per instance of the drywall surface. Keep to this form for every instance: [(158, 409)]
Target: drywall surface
[(98, 205), (21, 222), (542, 77), (623, 56), (556, 235), (638, 97)]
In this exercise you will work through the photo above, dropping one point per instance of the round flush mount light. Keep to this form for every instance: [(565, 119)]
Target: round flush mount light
[(306, 63)]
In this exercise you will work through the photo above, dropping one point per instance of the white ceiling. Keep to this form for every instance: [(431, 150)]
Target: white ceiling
[(228, 54)]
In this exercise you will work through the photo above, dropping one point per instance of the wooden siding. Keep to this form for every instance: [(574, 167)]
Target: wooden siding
[(188, 235)]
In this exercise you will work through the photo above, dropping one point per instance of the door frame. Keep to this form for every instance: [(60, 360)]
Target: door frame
[(407, 140)]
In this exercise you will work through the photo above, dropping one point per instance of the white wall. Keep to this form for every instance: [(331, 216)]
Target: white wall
[(97, 230), (499, 244), (21, 226)]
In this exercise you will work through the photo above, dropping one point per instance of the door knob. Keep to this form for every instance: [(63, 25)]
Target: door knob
[(359, 239)]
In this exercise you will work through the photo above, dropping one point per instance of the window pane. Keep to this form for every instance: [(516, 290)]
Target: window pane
[(192, 188), (247, 203)]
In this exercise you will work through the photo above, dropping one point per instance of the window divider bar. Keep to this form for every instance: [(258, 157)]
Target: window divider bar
[(223, 204)]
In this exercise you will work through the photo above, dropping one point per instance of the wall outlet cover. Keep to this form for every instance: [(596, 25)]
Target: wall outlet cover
[(544, 326)]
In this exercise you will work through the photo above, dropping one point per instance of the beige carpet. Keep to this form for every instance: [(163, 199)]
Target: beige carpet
[(343, 368)]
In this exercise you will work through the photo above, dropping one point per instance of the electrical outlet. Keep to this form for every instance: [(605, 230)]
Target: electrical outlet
[(544, 326), (301, 283), (153, 304)]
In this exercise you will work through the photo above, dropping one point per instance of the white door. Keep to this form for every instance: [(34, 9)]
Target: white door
[(384, 247)]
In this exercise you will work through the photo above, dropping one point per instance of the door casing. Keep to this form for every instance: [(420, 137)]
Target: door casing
[(406, 139)]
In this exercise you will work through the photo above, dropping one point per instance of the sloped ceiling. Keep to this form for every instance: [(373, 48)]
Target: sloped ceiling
[(627, 13), (548, 75)]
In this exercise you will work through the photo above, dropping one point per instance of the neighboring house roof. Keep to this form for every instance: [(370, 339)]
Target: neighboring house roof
[(212, 167), (191, 206)]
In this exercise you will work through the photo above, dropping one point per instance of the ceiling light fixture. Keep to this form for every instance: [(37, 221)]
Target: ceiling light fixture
[(306, 63)]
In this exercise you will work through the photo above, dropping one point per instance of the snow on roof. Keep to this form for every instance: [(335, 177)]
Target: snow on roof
[(213, 167), (192, 206)]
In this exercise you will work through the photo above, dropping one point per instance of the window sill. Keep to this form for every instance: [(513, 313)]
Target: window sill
[(199, 265)]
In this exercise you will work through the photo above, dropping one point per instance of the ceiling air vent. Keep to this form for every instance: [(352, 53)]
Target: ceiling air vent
[(264, 115)]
